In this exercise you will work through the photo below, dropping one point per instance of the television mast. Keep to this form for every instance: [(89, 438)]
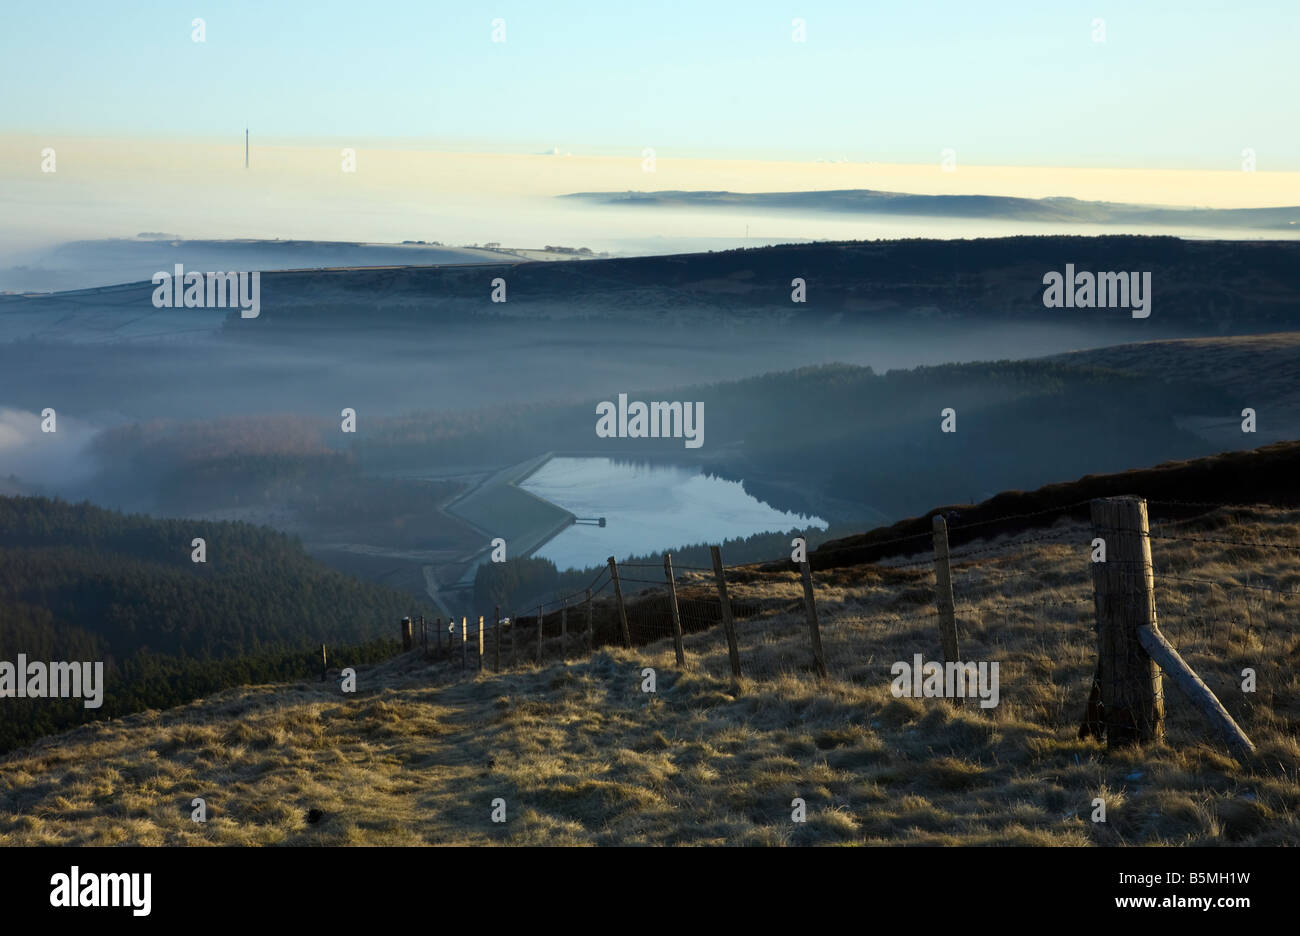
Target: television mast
[(245, 146)]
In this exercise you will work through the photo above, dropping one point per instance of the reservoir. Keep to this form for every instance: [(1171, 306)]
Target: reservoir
[(649, 508)]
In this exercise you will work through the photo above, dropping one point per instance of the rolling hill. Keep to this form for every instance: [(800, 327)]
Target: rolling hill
[(579, 754)]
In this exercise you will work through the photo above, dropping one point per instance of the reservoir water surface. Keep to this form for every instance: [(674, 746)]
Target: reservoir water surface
[(648, 508)]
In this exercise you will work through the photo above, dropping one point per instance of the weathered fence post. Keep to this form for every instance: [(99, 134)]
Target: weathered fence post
[(406, 634), (943, 592), (464, 642), (677, 617), (564, 626), (724, 604), (591, 633), (324, 663), (1132, 704), (1195, 690), (480, 643), (622, 608), (514, 624), (539, 633), (424, 636), (810, 606), (496, 643)]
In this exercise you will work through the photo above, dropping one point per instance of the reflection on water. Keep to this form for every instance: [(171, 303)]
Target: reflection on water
[(648, 508)]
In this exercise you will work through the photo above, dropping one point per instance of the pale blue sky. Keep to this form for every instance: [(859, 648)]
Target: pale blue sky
[(1182, 84)]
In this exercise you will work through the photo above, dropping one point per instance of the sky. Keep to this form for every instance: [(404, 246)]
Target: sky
[(463, 139), (1175, 85)]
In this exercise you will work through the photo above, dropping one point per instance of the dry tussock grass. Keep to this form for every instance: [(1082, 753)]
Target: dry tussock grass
[(582, 756)]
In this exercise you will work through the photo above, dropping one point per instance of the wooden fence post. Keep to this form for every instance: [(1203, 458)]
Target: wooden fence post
[(424, 636), (1132, 704), (622, 608), (406, 634), (464, 642), (514, 624), (810, 606), (943, 592), (724, 604), (677, 618), (591, 633), (480, 643), (324, 663), (564, 626), (496, 643), (540, 616)]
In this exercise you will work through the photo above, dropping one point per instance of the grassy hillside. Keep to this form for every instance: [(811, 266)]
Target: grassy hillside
[(581, 755)]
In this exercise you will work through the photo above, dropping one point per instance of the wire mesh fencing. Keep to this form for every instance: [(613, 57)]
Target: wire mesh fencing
[(1226, 588)]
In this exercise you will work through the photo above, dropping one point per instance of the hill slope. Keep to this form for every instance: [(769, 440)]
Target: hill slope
[(580, 754), (81, 583)]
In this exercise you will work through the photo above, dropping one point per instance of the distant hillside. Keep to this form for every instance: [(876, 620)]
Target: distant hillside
[(1263, 369), (1266, 475), (81, 583), (869, 202), (872, 439), (277, 471), (1200, 287), (91, 263)]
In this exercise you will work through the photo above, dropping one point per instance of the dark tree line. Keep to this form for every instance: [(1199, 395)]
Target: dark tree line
[(81, 583)]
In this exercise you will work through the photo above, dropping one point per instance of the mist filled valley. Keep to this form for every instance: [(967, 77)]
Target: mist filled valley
[(825, 405)]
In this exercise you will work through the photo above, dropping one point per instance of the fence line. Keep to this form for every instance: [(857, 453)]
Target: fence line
[(1126, 703)]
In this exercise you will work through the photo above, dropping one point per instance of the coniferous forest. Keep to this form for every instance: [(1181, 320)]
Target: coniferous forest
[(81, 583)]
